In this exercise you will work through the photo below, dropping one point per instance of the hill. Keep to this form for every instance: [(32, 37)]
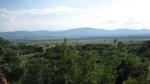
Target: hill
[(78, 33)]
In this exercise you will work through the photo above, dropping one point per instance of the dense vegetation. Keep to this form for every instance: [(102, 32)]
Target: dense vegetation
[(114, 63)]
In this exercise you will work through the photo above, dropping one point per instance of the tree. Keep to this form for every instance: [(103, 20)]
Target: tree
[(10, 65), (130, 80), (33, 72)]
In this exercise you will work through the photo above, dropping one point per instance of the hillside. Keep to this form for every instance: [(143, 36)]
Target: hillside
[(76, 34)]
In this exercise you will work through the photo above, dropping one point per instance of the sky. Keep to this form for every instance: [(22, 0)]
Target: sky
[(53, 15)]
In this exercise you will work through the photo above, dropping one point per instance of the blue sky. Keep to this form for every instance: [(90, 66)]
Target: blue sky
[(52, 15)]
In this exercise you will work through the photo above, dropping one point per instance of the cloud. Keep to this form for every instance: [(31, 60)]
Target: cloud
[(117, 14), (23, 19), (42, 11), (3, 12), (55, 10)]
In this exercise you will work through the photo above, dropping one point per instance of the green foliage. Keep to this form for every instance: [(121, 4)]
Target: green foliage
[(115, 63), (33, 72), (10, 64), (130, 80)]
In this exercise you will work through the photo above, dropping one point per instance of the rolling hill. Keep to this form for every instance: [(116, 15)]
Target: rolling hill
[(78, 33)]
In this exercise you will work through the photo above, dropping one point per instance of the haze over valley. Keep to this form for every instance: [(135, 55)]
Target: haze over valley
[(78, 33)]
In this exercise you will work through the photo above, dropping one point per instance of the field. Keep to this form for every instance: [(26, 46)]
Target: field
[(80, 41)]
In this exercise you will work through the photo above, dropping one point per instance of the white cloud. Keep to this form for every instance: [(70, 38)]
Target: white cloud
[(118, 14), (118, 11), (16, 21), (3, 12), (55, 10)]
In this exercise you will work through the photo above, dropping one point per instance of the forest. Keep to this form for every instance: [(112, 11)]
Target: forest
[(91, 63)]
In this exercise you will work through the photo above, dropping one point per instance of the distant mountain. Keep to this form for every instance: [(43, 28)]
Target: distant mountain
[(76, 34)]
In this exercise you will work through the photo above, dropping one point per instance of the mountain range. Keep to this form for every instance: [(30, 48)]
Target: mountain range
[(77, 33)]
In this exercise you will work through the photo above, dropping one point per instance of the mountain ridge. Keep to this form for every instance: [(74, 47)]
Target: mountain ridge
[(77, 33)]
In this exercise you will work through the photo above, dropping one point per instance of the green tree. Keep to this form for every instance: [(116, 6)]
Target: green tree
[(33, 72), (10, 65)]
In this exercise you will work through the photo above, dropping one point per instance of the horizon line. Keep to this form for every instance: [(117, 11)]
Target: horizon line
[(75, 29)]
